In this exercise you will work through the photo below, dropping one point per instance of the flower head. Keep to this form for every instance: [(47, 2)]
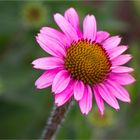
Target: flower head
[(33, 14), (83, 64)]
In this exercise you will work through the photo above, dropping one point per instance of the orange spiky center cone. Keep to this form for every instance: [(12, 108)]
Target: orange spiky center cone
[(87, 61)]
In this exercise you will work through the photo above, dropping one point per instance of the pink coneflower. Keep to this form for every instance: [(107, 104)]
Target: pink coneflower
[(83, 64)]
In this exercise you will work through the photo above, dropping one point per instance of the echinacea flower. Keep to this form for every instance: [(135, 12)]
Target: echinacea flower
[(83, 64), (33, 14)]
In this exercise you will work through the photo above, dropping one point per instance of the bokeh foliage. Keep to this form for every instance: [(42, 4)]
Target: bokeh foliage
[(23, 108)]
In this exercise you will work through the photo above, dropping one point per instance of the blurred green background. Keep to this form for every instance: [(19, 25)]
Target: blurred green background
[(24, 109)]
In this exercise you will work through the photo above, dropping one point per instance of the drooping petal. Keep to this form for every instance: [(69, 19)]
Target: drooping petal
[(45, 80), (99, 100), (111, 42), (65, 95), (118, 91), (66, 27), (85, 103), (60, 81), (122, 78), (79, 90), (117, 51), (101, 36), (51, 45), (120, 60), (121, 69), (55, 34), (46, 63), (107, 96), (89, 27)]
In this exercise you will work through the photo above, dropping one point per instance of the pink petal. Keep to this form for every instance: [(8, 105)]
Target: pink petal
[(99, 100), (118, 91), (111, 42), (89, 27), (101, 36), (46, 79), (121, 69), (46, 63), (60, 81), (45, 48), (66, 27), (122, 59), (85, 103), (117, 51), (122, 78), (51, 45), (55, 34), (72, 17), (79, 90), (107, 96), (65, 95)]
